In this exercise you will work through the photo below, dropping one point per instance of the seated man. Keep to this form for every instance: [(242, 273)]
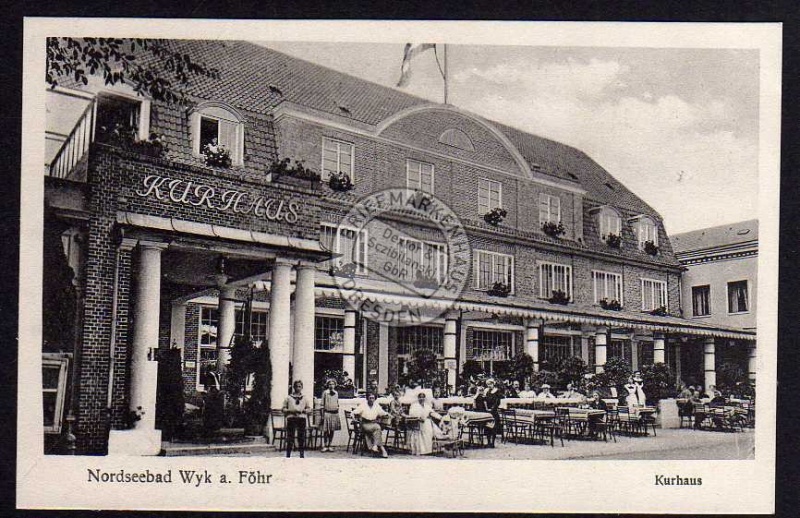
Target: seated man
[(546, 392), (571, 393)]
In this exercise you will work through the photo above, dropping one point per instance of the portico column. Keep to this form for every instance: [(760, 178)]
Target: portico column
[(349, 352), (226, 326), (751, 362), (450, 349), (709, 367), (658, 347), (303, 357), (279, 331), (532, 341), (144, 367), (600, 344)]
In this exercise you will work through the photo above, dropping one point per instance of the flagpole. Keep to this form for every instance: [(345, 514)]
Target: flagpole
[(445, 73)]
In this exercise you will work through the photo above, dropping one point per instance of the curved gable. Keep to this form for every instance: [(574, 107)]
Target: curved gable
[(424, 127)]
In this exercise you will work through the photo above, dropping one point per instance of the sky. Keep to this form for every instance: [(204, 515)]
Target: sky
[(679, 127)]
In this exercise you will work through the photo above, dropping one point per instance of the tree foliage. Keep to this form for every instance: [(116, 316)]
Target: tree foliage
[(423, 367), (657, 381), (170, 403), (150, 66), (615, 374), (58, 300), (522, 367), (571, 370)]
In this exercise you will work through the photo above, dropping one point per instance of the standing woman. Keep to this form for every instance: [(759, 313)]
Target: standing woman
[(296, 406), (492, 397), (422, 440), (330, 412)]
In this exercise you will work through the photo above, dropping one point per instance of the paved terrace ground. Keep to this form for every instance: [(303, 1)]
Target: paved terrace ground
[(683, 444)]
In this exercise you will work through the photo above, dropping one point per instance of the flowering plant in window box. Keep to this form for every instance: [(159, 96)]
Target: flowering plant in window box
[(421, 199), (499, 289), (612, 304), (495, 216), (286, 169), (553, 229), (343, 270), (425, 282), (132, 416), (613, 240), (340, 182), (650, 248), (216, 155), (559, 297), (660, 311)]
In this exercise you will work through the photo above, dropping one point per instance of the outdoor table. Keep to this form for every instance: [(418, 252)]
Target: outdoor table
[(477, 421), (584, 419), (515, 402)]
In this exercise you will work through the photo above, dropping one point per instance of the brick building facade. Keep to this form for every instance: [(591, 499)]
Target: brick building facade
[(169, 248)]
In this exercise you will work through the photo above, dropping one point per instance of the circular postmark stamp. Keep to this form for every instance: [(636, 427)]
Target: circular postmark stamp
[(403, 257)]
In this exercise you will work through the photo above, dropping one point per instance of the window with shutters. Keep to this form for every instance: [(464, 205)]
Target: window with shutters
[(214, 123)]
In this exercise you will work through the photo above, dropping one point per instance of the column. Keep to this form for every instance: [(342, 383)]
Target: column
[(177, 330), (144, 367), (709, 367), (450, 349), (600, 343), (226, 326), (304, 307), (658, 347), (383, 356), (279, 332), (349, 356), (532, 341), (751, 362), (676, 348)]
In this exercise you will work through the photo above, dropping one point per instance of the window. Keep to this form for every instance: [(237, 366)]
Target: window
[(351, 243), (492, 345), (654, 294), (490, 195), (621, 349), (646, 230), (419, 175), (329, 334), (558, 347), (207, 345), (549, 208), (737, 297), (609, 222), (337, 157), (700, 300), (554, 277), (492, 267), (607, 286), (427, 260), (258, 325), (422, 337), (118, 115), (213, 122), (54, 388)]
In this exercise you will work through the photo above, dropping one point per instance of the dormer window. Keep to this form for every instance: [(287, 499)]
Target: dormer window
[(609, 222), (646, 230), (121, 117), (214, 123)]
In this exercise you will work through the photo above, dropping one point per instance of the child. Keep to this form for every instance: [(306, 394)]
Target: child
[(296, 406), (330, 412)]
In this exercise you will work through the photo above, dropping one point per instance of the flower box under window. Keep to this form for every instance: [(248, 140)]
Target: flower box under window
[(650, 248), (340, 182), (499, 289), (660, 311), (613, 240), (559, 297), (495, 216), (612, 304), (344, 270), (286, 171), (216, 155), (553, 229)]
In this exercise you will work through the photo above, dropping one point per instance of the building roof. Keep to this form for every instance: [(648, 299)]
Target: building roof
[(713, 237), (257, 78)]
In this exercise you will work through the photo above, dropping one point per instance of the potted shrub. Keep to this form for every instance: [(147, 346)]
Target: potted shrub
[(659, 390), (343, 270), (613, 240), (216, 155), (499, 289), (660, 311), (283, 170), (650, 248), (495, 216), (559, 297), (554, 230), (340, 182), (612, 304)]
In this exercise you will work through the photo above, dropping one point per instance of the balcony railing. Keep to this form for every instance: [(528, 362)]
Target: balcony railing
[(75, 146)]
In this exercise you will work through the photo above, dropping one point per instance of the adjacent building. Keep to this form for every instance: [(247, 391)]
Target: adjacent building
[(165, 249)]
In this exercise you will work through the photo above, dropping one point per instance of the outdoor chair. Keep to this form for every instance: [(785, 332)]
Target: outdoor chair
[(314, 429), (685, 413), (628, 422), (648, 419), (702, 415), (355, 437), (510, 426), (454, 442), (548, 429), (605, 426), (396, 434), (277, 420), (564, 422)]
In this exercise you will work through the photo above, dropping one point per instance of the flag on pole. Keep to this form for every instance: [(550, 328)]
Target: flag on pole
[(410, 53)]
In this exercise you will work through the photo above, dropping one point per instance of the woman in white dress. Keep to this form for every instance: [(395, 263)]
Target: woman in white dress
[(421, 441)]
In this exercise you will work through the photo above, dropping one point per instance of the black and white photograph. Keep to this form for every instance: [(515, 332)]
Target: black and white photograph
[(484, 266)]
